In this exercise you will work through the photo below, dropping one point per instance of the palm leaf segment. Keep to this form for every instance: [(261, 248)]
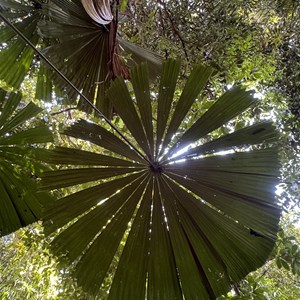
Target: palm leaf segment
[(188, 228), (15, 56), (19, 201)]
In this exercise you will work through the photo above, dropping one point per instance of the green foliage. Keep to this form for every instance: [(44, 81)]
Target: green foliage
[(29, 271), (288, 249), (256, 42)]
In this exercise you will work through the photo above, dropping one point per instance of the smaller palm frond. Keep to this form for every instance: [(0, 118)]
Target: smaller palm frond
[(20, 202), (79, 37), (185, 220), (82, 52), (88, 52)]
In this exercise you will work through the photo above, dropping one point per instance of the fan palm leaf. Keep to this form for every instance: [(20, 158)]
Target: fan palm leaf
[(88, 51), (20, 203), (185, 229), (79, 38)]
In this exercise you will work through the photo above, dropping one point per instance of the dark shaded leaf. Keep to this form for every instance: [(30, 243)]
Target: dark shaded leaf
[(98, 135), (131, 275), (140, 83), (124, 106), (167, 85)]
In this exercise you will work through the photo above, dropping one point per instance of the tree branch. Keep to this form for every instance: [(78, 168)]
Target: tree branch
[(62, 111), (175, 30)]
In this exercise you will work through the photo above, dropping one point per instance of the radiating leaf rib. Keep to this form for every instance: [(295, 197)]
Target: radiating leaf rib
[(26, 206), (60, 213), (261, 216), (185, 260), (17, 57), (69, 177), (250, 200), (163, 281), (19, 200), (239, 250), (120, 97), (257, 186), (167, 85), (195, 83), (44, 86), (232, 103), (33, 198), (82, 53), (91, 270), (140, 82), (213, 270), (213, 216), (17, 156), (129, 281), (97, 135), (70, 6), (61, 155), (264, 132), (75, 240), (29, 152), (226, 237), (8, 35), (20, 192), (65, 31)]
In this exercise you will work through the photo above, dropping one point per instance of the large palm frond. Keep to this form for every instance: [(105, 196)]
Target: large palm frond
[(20, 202), (186, 226)]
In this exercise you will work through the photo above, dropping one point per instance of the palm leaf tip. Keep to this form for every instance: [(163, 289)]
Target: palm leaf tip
[(210, 215)]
